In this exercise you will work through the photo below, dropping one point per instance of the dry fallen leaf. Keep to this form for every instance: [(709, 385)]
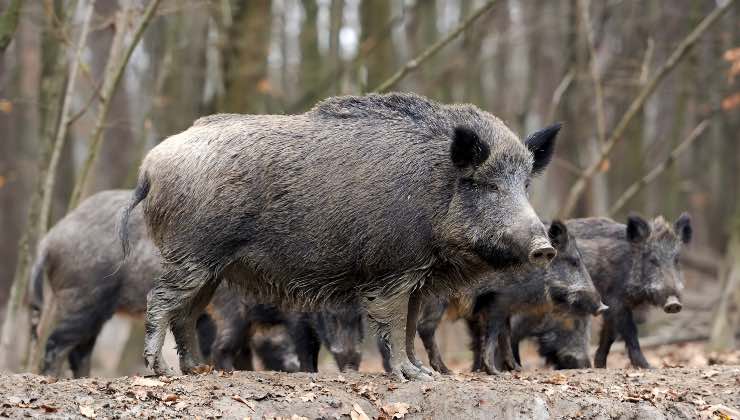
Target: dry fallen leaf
[(141, 381), (6, 106), (87, 411), (358, 413), (557, 379), (49, 408), (249, 404), (396, 410)]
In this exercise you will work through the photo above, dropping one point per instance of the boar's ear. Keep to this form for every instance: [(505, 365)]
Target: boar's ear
[(558, 235), (467, 149), (683, 227), (638, 229), (542, 145)]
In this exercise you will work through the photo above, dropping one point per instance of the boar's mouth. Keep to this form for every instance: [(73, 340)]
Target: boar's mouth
[(502, 257)]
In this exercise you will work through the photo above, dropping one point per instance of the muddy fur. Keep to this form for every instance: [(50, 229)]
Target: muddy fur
[(358, 199), (562, 339), (632, 265), (564, 288)]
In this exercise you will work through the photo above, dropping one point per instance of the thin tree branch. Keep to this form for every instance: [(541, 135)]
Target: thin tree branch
[(656, 171), (8, 23), (417, 61), (557, 95), (113, 73), (678, 54), (356, 62), (61, 132), (595, 77)]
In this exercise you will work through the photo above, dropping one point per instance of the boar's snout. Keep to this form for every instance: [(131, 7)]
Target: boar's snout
[(672, 305), (601, 309), (541, 252)]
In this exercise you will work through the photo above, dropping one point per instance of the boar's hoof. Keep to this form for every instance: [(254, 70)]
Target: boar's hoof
[(424, 368), (158, 365), (441, 368), (408, 371), (201, 369), (491, 370)]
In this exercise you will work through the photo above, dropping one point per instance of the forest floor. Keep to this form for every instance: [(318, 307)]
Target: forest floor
[(667, 392)]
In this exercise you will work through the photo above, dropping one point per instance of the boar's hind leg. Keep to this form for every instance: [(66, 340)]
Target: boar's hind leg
[(178, 299), (183, 326), (606, 339), (389, 315)]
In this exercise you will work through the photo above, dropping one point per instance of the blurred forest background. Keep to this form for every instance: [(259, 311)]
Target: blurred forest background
[(649, 94)]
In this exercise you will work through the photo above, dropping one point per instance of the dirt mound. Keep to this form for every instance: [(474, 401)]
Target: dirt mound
[(663, 393)]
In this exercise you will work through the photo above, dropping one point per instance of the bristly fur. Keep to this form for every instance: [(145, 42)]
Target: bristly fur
[(357, 200)]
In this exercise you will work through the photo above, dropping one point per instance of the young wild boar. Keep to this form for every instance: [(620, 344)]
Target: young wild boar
[(562, 339), (632, 265), (238, 320), (341, 331), (362, 199), (564, 288), (82, 261)]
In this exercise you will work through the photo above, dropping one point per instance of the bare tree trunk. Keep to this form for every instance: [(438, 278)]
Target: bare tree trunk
[(114, 70), (726, 322), (64, 117), (53, 71), (678, 54), (8, 23), (416, 62), (246, 59)]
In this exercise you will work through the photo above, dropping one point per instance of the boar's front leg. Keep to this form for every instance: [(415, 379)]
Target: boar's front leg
[(505, 359), (389, 315), (427, 327), (606, 339), (627, 328)]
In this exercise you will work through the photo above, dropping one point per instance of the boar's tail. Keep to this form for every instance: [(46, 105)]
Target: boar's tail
[(37, 289), (140, 193)]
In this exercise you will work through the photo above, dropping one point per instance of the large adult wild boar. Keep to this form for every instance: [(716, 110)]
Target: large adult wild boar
[(373, 199)]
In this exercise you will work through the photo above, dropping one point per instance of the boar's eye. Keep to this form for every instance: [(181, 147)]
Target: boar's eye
[(676, 260), (574, 262), (654, 260)]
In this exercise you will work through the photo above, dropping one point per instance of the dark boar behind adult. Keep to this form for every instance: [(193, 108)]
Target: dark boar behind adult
[(632, 265), (360, 199), (562, 339)]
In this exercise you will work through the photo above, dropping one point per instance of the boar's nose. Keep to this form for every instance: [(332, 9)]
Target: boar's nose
[(601, 309), (672, 305), (542, 253)]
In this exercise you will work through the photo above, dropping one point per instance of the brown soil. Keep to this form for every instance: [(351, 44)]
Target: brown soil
[(710, 392)]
